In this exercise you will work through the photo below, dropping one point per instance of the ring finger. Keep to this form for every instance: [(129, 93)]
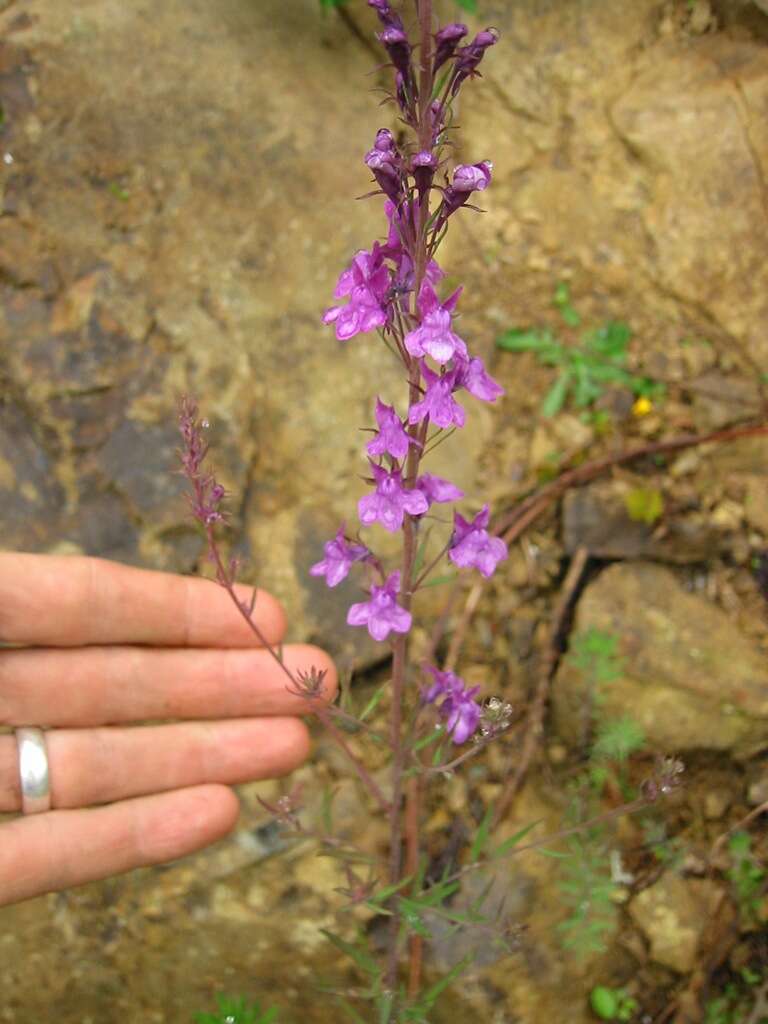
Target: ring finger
[(96, 766)]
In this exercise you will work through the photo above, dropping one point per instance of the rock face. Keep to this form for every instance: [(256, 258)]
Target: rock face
[(709, 258), (672, 914), (597, 518), (689, 677)]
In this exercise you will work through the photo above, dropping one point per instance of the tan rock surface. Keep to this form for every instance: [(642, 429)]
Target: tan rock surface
[(673, 913), (689, 677)]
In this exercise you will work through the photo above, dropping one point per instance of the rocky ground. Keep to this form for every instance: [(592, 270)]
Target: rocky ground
[(176, 186)]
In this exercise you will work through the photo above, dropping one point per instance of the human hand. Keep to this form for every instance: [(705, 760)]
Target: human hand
[(99, 646)]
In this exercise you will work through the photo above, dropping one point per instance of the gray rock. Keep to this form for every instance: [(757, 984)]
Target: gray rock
[(596, 517), (690, 677)]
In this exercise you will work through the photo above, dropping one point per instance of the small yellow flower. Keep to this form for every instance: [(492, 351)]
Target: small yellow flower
[(642, 406)]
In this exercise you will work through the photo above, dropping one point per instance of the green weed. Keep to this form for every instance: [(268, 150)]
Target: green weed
[(237, 1010), (735, 1004), (588, 884), (746, 875), (612, 1003), (598, 361)]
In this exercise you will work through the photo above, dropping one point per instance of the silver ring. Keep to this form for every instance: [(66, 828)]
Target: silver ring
[(33, 770)]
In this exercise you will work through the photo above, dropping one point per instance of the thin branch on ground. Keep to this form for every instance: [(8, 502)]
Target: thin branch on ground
[(551, 658)]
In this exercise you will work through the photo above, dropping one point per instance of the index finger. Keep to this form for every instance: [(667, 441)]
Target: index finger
[(72, 601)]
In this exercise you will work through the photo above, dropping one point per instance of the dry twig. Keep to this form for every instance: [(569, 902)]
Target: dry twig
[(533, 727)]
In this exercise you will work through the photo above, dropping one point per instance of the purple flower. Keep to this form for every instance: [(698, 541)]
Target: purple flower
[(446, 41), (390, 501), (383, 164), (391, 438), (382, 614), (467, 178), (472, 375), (339, 556), (469, 56), (434, 337), (435, 489), (472, 177), (366, 281), (458, 707), (438, 402), (473, 547)]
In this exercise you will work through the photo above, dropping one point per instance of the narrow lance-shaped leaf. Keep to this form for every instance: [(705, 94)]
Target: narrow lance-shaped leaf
[(482, 835), (363, 960), (555, 399)]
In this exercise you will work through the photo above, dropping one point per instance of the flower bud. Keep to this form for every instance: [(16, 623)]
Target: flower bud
[(385, 140), (424, 165), (395, 42), (382, 165), (468, 57), (388, 17), (446, 41)]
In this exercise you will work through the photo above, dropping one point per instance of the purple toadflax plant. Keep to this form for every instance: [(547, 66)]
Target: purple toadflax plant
[(394, 289)]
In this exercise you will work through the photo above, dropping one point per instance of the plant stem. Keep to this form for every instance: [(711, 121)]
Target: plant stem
[(362, 772), (400, 646)]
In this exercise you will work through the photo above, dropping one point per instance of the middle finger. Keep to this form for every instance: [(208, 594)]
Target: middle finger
[(109, 685)]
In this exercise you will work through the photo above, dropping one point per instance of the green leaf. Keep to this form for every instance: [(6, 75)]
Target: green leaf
[(384, 1006), (439, 580), (430, 996), (644, 504), (435, 734), (604, 1002), (740, 843), (611, 340), (237, 1011), (354, 1016), (509, 844), (356, 953), (421, 554), (468, 5), (523, 339), (482, 834), (553, 403), (389, 890), (562, 299), (118, 191), (570, 316), (617, 739), (373, 703)]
